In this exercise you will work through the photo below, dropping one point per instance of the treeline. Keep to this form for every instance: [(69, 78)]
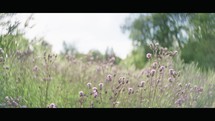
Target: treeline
[(192, 34)]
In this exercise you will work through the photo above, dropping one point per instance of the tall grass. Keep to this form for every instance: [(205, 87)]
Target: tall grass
[(40, 80)]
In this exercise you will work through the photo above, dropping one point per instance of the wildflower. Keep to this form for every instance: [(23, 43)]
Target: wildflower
[(89, 85), (148, 55), (171, 71), (109, 78), (152, 72), (170, 79), (81, 93), (142, 83), (100, 86), (94, 89), (161, 68), (95, 94), (52, 105), (130, 90)]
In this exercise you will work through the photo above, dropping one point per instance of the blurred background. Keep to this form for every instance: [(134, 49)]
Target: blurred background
[(125, 36)]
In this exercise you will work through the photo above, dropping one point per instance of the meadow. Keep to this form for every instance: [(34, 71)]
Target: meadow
[(31, 79)]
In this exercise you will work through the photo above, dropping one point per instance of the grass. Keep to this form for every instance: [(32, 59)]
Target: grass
[(37, 80)]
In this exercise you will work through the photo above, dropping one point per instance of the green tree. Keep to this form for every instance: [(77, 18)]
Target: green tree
[(165, 28), (200, 47)]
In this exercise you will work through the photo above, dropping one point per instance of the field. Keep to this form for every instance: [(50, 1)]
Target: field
[(46, 80)]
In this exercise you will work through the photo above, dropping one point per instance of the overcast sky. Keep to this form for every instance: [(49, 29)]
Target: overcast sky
[(85, 30)]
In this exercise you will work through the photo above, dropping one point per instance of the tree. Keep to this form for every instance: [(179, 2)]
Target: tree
[(165, 28), (184, 30), (200, 47)]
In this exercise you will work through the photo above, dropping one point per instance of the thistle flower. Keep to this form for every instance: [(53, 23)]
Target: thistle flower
[(52, 105), (152, 72), (100, 86), (95, 89), (130, 90), (174, 73), (95, 94), (126, 82), (109, 78), (89, 85), (81, 93), (148, 55), (171, 71), (142, 83), (170, 79), (161, 68)]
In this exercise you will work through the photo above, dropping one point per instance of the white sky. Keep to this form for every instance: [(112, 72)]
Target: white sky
[(85, 30)]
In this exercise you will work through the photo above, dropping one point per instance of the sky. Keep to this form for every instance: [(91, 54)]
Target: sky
[(84, 30)]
